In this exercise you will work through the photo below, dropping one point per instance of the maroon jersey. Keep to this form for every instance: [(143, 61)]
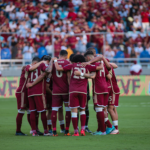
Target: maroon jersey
[(113, 82), (39, 88), (60, 82), (78, 84), (23, 80), (99, 83), (50, 82)]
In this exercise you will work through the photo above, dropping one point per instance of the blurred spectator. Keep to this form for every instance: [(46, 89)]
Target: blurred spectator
[(27, 51), (49, 48), (137, 24), (81, 44), (19, 54), (10, 7), (145, 19), (20, 15), (136, 69), (5, 52), (139, 48), (14, 48), (42, 17), (69, 50), (109, 53), (133, 53), (144, 54), (120, 54), (148, 48), (13, 25), (41, 51)]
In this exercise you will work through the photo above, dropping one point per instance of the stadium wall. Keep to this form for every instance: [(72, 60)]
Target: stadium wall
[(129, 86)]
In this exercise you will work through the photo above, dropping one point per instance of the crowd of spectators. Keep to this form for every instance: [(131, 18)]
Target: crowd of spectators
[(26, 27)]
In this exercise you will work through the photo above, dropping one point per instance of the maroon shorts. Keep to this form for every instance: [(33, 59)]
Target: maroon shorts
[(77, 100), (100, 99), (107, 98), (37, 103), (113, 99), (22, 100), (57, 100), (48, 101)]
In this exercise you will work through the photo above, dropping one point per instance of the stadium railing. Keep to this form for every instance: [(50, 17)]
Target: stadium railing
[(18, 63)]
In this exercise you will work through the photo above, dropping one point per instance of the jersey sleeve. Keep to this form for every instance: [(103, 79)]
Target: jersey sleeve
[(91, 68), (43, 67), (27, 68), (106, 71), (67, 67)]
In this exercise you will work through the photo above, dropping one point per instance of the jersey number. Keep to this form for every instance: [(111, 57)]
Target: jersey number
[(59, 74), (34, 75), (81, 70), (102, 71)]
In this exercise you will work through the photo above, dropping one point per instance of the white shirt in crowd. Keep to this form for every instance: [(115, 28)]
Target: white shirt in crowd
[(27, 52), (109, 54), (12, 25), (136, 68), (109, 38), (116, 3), (49, 49), (9, 8), (20, 15), (34, 31), (136, 24), (42, 17), (129, 50), (77, 2), (139, 49), (148, 50)]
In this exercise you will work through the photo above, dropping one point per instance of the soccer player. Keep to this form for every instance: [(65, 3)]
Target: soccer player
[(113, 93), (36, 96), (60, 93), (78, 89), (21, 95), (100, 92)]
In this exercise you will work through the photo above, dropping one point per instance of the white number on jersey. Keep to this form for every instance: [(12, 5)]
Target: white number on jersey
[(59, 73), (35, 73), (81, 70), (102, 71)]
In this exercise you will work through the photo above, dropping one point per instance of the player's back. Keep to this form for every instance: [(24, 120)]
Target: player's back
[(113, 81), (100, 84), (23, 80), (78, 83), (60, 79), (39, 88)]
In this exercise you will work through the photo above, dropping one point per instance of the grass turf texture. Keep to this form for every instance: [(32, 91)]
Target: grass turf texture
[(134, 121)]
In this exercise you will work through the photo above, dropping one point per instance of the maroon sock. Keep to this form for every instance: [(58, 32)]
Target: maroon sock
[(28, 118), (19, 121), (44, 121), (116, 127), (108, 124), (98, 124), (62, 126), (83, 120), (100, 118), (33, 120), (75, 124), (68, 119), (37, 120), (54, 119)]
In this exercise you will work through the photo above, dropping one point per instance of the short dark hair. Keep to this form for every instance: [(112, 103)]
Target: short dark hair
[(63, 53), (36, 59), (91, 49), (71, 57), (78, 58), (46, 57), (88, 53)]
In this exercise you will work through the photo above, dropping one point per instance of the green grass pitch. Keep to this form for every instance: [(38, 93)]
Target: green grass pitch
[(134, 126)]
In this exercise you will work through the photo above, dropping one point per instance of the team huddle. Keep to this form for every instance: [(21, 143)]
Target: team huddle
[(48, 83)]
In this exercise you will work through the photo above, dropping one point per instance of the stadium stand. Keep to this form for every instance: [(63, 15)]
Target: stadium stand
[(115, 28)]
